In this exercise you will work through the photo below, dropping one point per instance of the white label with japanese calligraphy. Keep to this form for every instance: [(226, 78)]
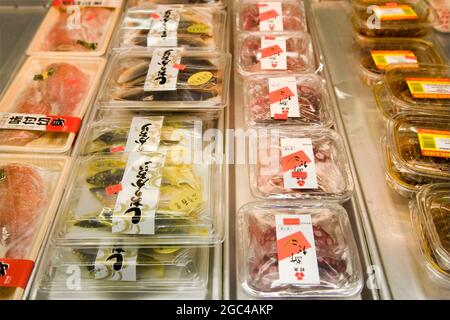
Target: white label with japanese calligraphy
[(164, 29), (296, 249), (116, 264), (134, 212), (270, 16), (273, 53), (144, 134), (283, 98), (297, 162), (162, 73)]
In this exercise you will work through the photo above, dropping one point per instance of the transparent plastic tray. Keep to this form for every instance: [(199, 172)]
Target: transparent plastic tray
[(199, 28), (124, 85), (267, 179), (188, 209), (337, 257), (249, 16), (313, 101), (299, 53)]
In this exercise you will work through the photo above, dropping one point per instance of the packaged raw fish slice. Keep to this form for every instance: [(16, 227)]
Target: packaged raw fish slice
[(169, 77), (297, 249), (277, 53), (76, 30), (299, 163), (298, 99), (177, 202), (41, 111), (270, 16), (30, 189), (188, 27)]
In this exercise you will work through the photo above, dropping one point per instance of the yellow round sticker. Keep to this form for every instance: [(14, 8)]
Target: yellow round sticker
[(198, 28), (199, 78)]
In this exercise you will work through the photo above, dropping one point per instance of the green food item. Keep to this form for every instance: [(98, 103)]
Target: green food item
[(88, 45)]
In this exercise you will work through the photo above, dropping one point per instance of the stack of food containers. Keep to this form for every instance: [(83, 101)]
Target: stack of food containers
[(143, 206), (42, 111), (411, 84), (300, 243)]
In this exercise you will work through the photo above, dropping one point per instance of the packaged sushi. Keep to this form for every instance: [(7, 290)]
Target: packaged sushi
[(300, 99), (270, 16), (42, 109), (189, 27), (113, 272), (425, 89), (141, 198), (83, 28), (299, 163), (277, 53), (168, 79), (297, 249), (376, 54), (383, 18), (30, 191), (430, 213)]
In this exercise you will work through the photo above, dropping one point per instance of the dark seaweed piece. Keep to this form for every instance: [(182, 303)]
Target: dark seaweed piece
[(106, 178), (112, 137)]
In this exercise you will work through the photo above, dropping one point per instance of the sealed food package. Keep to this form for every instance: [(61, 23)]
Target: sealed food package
[(43, 107), (141, 198), (111, 272), (77, 30), (425, 89), (377, 54), (133, 3), (420, 144), (278, 53), (168, 78), (297, 249), (392, 19), (298, 99), (185, 26), (299, 163), (30, 190), (269, 15), (430, 213)]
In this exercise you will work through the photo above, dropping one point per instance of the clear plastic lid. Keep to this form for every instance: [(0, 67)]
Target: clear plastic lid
[(375, 54), (299, 163), (191, 27), (306, 104), (106, 271), (277, 53), (269, 15), (421, 144), (327, 264), (30, 191), (141, 199), (169, 78), (385, 18), (419, 90)]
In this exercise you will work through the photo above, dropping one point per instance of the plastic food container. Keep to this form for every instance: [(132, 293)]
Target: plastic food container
[(297, 249), (30, 191), (142, 271), (392, 19), (299, 163), (420, 144), (179, 203), (375, 54), (190, 27), (430, 215), (278, 53), (133, 3), (420, 90), (43, 87), (270, 16), (305, 102), (189, 80), (76, 30)]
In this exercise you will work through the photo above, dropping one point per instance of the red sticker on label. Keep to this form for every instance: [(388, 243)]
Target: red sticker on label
[(154, 15), (299, 174), (292, 244), (15, 272), (281, 116), (63, 124), (271, 51), (291, 221), (268, 15), (179, 66), (113, 189), (117, 149), (293, 160), (280, 94)]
